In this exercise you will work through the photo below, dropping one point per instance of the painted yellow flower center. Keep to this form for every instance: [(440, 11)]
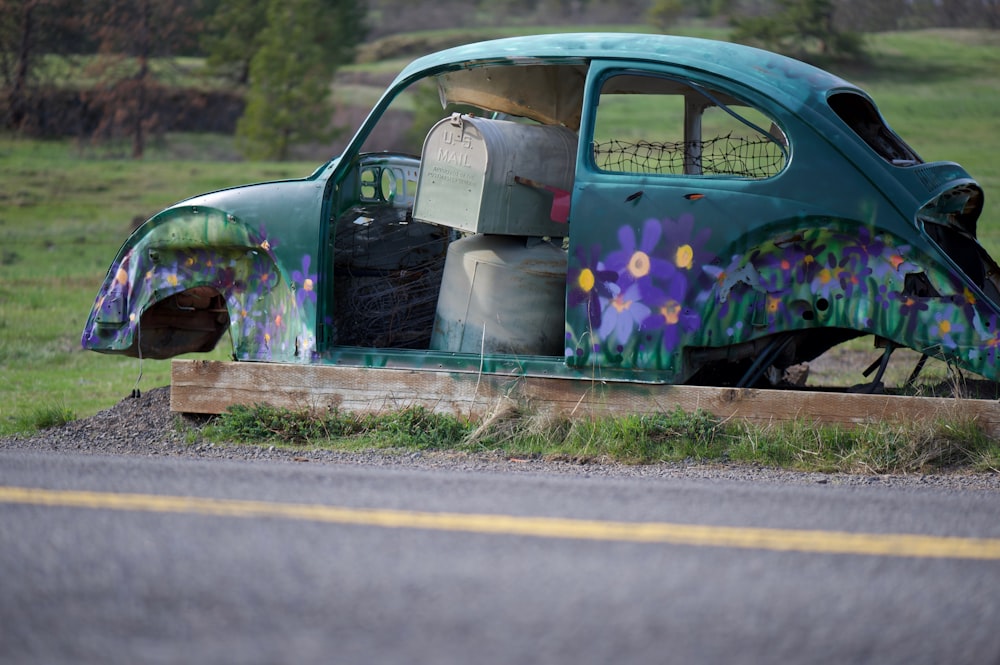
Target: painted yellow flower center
[(945, 327), (638, 265), (671, 312), (684, 257), (620, 304), (307, 284), (586, 280)]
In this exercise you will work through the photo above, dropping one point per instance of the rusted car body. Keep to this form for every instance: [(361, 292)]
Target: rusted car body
[(636, 207)]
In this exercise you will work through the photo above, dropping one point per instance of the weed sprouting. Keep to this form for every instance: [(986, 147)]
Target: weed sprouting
[(52, 415), (39, 418)]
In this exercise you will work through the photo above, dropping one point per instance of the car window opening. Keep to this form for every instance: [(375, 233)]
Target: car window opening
[(682, 130), (864, 119)]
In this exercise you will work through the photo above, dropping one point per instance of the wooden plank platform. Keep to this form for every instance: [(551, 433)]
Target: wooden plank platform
[(210, 387)]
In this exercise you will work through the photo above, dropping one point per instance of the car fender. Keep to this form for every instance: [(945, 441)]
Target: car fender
[(200, 262), (852, 277)]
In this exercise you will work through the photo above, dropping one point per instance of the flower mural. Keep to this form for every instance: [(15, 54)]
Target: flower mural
[(638, 297), (660, 290)]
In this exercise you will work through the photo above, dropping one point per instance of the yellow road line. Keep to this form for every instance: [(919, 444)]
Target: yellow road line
[(785, 540)]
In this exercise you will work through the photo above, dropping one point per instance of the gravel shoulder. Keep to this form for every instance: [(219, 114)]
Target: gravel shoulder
[(145, 426)]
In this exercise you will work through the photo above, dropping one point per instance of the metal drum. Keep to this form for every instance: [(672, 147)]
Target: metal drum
[(502, 294)]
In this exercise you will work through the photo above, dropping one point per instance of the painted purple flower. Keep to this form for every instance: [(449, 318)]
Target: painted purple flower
[(635, 260), (169, 278), (777, 312), (682, 245), (263, 241), (808, 263), (866, 246), (967, 302), (944, 329), (589, 283), (827, 279), (991, 340), (856, 281), (893, 263), (305, 283), (909, 309), (622, 314), (226, 280), (668, 314)]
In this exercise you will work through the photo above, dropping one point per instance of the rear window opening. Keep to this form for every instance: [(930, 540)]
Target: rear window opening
[(864, 119)]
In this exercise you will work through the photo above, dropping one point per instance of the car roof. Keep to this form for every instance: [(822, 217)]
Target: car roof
[(772, 73)]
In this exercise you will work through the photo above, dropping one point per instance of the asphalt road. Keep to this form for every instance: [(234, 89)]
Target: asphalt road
[(153, 560)]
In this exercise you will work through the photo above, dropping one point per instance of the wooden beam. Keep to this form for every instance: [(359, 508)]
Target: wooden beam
[(200, 386), (210, 387)]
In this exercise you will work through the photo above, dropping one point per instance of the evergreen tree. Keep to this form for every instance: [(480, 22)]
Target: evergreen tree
[(290, 74), (288, 100), (233, 35)]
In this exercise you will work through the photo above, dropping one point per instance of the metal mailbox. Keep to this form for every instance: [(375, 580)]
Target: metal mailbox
[(495, 176)]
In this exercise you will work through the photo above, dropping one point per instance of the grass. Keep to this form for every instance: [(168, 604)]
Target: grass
[(64, 212), (677, 436), (43, 417), (65, 208)]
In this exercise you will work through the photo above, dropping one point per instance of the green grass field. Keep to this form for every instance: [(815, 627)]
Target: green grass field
[(64, 211), (63, 215)]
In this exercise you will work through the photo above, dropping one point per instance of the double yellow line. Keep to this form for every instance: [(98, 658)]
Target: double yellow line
[(782, 540)]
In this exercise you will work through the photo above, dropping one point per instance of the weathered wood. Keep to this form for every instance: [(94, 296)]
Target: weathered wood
[(200, 386)]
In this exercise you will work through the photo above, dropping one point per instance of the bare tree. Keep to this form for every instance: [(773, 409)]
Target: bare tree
[(131, 33), (29, 29)]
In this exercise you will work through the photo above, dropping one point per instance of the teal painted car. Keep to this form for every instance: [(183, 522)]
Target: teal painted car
[(637, 207)]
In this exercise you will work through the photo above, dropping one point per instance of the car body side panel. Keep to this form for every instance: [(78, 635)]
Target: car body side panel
[(660, 264)]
